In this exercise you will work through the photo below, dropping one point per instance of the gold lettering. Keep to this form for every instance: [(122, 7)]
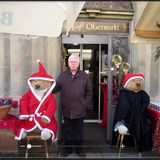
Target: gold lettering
[(100, 28), (85, 26), (89, 26), (116, 27), (92, 26), (77, 26)]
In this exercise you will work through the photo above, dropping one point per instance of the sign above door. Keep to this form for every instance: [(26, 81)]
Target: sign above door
[(98, 27)]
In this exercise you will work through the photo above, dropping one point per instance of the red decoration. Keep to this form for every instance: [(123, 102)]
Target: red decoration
[(104, 87), (9, 122), (154, 115)]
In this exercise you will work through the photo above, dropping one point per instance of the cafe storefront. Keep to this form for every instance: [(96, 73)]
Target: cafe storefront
[(97, 42)]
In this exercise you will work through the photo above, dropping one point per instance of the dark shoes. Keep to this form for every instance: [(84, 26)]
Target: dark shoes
[(81, 154), (66, 152)]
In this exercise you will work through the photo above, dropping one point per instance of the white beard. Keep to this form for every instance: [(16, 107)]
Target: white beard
[(40, 93)]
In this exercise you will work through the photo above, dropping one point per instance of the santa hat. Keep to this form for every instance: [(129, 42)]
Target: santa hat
[(41, 74), (129, 76)]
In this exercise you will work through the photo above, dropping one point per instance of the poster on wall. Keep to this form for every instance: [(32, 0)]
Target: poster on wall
[(104, 62)]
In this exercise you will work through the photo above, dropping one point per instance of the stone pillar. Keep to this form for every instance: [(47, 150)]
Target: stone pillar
[(4, 65), (148, 67), (20, 49)]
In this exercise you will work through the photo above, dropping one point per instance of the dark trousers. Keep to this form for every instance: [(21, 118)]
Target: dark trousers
[(73, 133)]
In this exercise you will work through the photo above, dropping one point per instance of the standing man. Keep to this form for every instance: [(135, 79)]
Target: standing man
[(76, 96)]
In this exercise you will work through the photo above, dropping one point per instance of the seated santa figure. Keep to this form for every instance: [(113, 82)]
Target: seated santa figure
[(38, 107), (131, 111)]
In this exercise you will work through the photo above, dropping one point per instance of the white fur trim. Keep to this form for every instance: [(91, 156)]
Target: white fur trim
[(48, 92), (24, 133), (37, 124), (22, 130), (122, 129), (38, 60), (53, 137), (46, 95), (41, 78), (47, 118), (20, 135), (50, 131), (132, 79), (45, 134), (23, 116)]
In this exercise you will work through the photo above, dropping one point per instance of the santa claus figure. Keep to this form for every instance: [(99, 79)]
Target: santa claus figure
[(38, 106), (131, 111)]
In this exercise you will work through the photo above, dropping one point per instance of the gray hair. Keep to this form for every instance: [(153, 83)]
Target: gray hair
[(73, 56)]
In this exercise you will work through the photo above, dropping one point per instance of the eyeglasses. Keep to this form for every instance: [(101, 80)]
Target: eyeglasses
[(73, 62)]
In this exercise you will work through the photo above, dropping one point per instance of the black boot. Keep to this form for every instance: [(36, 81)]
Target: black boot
[(67, 151), (80, 152)]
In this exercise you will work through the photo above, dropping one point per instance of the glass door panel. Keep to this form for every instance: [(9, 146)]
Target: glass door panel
[(90, 64)]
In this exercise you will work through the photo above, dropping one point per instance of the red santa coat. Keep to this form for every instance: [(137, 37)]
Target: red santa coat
[(34, 108)]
